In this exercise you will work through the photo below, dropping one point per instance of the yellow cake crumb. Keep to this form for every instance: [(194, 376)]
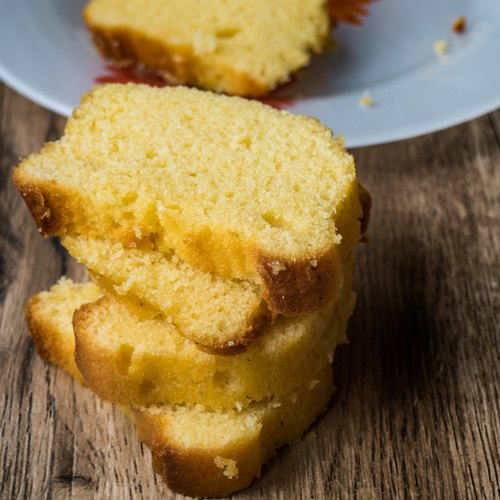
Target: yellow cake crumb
[(441, 46), (137, 232), (229, 466), (277, 267), (366, 99)]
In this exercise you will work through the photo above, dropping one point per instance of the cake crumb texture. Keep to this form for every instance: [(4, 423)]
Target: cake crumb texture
[(228, 465)]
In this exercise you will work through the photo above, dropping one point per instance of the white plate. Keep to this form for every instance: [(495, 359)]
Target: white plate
[(45, 55)]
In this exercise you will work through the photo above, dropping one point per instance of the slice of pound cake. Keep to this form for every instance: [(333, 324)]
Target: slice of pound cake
[(233, 187), (238, 47), (197, 451), (203, 453)]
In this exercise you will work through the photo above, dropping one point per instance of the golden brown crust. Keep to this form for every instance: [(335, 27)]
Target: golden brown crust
[(43, 202), (54, 207), (177, 65), (303, 286), (88, 361)]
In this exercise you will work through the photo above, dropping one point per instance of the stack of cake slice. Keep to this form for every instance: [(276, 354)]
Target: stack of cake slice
[(218, 233)]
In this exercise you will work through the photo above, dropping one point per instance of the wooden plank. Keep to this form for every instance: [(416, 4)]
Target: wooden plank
[(417, 412)]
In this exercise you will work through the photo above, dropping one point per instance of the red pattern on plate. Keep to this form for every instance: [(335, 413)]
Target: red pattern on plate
[(117, 75), (348, 11)]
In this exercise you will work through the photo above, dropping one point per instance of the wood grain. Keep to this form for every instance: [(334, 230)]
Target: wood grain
[(416, 414)]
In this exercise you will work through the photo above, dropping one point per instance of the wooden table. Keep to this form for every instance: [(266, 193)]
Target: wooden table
[(416, 414)]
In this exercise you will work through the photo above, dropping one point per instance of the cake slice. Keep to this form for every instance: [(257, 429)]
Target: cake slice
[(127, 359), (197, 451), (237, 47), (214, 453), (218, 315), (233, 187)]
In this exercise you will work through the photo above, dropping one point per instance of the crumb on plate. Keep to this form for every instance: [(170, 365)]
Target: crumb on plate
[(366, 99), (459, 25), (441, 46)]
